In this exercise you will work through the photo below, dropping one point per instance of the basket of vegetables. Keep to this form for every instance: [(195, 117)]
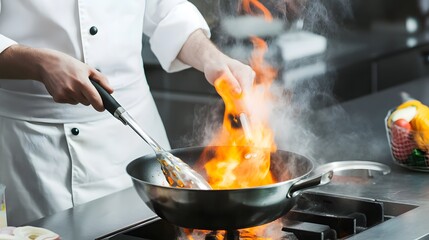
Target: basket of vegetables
[(407, 128)]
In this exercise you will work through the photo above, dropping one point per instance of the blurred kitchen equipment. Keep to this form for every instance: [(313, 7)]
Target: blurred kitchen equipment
[(177, 172), (242, 27), (423, 6), (294, 43), (3, 218), (253, 18), (300, 43), (232, 208)]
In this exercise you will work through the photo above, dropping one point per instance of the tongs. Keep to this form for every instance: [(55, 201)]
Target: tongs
[(177, 172), (240, 118)]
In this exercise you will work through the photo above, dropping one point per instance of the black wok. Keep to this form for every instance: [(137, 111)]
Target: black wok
[(232, 208), (224, 209)]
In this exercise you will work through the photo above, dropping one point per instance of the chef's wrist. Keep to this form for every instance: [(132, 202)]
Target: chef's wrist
[(198, 50), (19, 62), (210, 55)]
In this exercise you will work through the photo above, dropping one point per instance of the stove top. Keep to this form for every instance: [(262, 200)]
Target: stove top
[(316, 215)]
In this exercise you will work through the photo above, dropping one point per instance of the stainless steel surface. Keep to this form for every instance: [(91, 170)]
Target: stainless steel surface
[(231, 208), (402, 185), (123, 209)]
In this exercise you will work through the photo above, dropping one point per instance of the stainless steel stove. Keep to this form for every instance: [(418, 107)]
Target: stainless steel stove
[(402, 194), (316, 216)]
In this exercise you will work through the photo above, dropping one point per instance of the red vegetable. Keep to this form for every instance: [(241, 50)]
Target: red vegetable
[(402, 142), (403, 124)]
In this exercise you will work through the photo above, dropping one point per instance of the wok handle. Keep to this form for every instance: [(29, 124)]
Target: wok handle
[(110, 104), (311, 182), (352, 165), (324, 173)]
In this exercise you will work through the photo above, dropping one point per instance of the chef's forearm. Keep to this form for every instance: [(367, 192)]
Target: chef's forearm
[(198, 51), (19, 62)]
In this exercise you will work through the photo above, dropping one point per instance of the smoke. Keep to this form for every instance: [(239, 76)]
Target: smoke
[(208, 120), (325, 16), (306, 116), (322, 16), (323, 134)]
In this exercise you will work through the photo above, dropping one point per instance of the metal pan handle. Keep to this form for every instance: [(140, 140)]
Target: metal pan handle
[(352, 165), (311, 182), (324, 173)]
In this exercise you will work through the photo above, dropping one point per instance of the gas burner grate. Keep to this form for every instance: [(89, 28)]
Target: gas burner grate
[(315, 216), (322, 216), (305, 230)]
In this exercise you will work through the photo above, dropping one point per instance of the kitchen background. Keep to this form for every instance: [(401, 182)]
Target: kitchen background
[(330, 51), (354, 52)]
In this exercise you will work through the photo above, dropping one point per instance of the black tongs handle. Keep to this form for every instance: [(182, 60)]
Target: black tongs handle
[(110, 103)]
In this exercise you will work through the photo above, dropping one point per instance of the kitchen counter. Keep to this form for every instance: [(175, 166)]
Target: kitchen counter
[(119, 210)]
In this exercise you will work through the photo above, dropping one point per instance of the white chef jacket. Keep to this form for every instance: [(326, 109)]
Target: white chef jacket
[(45, 166)]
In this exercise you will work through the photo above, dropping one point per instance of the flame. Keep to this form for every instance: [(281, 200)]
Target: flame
[(257, 233), (245, 165), (247, 7), (246, 161)]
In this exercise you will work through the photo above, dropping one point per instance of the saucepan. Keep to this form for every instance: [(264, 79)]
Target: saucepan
[(229, 209)]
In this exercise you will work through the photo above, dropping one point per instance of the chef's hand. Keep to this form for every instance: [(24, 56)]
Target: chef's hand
[(199, 52), (65, 78), (239, 75)]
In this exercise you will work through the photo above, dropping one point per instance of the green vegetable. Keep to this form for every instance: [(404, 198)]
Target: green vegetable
[(417, 158)]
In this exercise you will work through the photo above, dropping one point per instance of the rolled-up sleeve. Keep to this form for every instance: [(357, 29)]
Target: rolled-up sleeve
[(168, 23), (5, 43)]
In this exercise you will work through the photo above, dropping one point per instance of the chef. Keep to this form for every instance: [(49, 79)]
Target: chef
[(55, 150)]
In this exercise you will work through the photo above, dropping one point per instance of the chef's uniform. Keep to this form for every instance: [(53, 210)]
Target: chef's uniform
[(54, 156)]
